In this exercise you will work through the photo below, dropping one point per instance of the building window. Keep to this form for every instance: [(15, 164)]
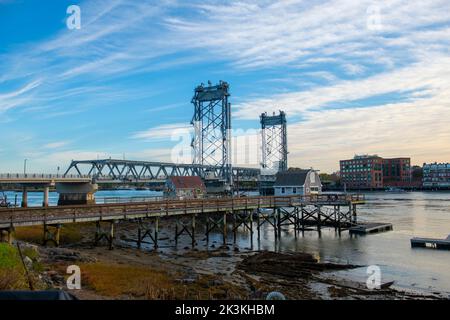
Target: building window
[(294, 190), (283, 190)]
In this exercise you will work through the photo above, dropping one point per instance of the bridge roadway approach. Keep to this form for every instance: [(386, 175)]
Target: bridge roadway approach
[(338, 211), (66, 186)]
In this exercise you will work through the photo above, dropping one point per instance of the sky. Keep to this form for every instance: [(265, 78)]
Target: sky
[(354, 77)]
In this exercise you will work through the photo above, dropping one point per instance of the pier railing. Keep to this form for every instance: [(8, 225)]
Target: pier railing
[(166, 207)]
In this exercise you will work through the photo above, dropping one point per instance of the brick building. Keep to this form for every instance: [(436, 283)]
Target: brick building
[(374, 172), (436, 175), (362, 172), (397, 172)]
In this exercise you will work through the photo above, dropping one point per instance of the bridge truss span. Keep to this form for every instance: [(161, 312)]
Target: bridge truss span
[(111, 170)]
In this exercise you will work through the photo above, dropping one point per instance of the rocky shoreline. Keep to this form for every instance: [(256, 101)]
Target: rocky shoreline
[(205, 272), (215, 274)]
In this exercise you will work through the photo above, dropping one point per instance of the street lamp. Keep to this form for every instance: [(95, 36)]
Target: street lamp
[(25, 167)]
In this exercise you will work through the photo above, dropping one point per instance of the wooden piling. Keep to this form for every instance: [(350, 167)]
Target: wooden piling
[(155, 240), (193, 231), (225, 228), (258, 220), (176, 231)]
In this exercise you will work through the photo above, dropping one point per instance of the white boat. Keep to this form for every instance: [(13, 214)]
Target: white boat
[(394, 190), (4, 202)]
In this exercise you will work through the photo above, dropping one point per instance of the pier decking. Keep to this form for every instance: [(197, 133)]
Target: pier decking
[(338, 211), (431, 243), (368, 228)]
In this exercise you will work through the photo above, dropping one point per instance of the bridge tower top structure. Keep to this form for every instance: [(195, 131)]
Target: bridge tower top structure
[(212, 128), (274, 141)]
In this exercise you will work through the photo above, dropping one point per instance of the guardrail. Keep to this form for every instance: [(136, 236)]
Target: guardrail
[(166, 207), (41, 176)]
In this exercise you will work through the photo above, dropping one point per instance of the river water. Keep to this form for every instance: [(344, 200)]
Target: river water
[(423, 214)]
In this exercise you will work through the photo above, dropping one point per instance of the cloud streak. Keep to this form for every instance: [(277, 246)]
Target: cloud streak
[(329, 65)]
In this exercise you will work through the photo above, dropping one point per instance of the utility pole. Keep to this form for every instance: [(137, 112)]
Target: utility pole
[(25, 167)]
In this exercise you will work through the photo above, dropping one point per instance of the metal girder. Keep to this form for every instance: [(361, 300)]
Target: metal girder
[(144, 171), (212, 128), (274, 141)]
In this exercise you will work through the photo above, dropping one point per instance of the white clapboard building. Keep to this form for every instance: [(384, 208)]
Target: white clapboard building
[(296, 181)]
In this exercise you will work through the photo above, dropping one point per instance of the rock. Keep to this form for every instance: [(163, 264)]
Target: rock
[(60, 254), (29, 246), (28, 262), (275, 295), (186, 281), (215, 282)]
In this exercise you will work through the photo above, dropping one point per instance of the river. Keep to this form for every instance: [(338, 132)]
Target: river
[(423, 214)]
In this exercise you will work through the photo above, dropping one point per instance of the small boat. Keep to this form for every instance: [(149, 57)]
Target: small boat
[(4, 201), (394, 190)]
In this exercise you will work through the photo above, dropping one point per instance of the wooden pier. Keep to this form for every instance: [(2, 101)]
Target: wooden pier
[(337, 211), (431, 243), (368, 228)]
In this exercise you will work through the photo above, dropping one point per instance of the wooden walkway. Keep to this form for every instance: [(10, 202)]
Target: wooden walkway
[(338, 211), (123, 211)]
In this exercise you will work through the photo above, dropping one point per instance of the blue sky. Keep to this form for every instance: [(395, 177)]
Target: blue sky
[(366, 77)]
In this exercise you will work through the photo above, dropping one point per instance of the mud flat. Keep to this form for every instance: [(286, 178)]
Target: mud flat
[(221, 272), (127, 273)]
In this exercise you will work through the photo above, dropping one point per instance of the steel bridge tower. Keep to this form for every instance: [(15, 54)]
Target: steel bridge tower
[(212, 128), (274, 141)]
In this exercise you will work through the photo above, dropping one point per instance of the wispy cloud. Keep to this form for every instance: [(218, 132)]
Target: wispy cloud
[(56, 144), (318, 60), (164, 132)]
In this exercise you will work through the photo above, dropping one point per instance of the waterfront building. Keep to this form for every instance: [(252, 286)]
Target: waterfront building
[(397, 172), (436, 175), (296, 181), (362, 172), (185, 187)]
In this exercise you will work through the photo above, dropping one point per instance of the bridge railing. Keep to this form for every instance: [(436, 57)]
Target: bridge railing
[(41, 176), (39, 215)]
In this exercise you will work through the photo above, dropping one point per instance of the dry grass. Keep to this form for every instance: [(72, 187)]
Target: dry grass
[(70, 233), (13, 279), (120, 281), (115, 280)]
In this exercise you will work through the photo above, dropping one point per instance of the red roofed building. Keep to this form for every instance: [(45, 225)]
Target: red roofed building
[(185, 187)]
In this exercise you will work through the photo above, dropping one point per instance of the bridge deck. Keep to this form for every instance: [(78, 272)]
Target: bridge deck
[(16, 217), (33, 178)]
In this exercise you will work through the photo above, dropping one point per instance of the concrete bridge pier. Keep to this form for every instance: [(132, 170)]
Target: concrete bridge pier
[(80, 193), (26, 186), (24, 203), (46, 193)]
